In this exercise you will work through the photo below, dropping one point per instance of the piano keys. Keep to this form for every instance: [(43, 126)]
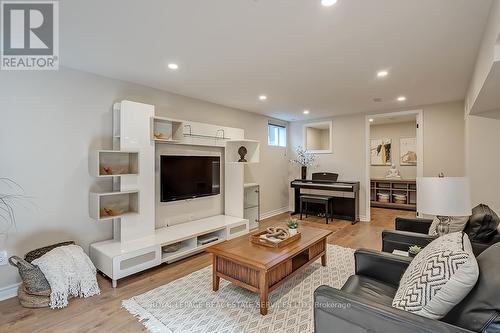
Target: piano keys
[(345, 196)]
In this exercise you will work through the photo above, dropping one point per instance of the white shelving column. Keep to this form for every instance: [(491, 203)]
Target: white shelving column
[(234, 198), (131, 122)]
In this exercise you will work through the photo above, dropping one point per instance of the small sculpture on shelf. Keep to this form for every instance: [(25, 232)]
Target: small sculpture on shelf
[(160, 136), (114, 171), (393, 173), (242, 151), (107, 211), (107, 171)]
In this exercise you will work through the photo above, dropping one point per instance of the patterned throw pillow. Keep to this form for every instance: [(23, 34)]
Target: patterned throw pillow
[(457, 224), (438, 278)]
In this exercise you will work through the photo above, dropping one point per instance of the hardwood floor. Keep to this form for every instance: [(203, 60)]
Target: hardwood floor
[(103, 313)]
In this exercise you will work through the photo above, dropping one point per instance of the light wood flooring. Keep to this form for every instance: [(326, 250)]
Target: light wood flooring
[(103, 313)]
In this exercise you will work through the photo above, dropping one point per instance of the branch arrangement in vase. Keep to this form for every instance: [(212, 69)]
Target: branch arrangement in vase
[(304, 158)]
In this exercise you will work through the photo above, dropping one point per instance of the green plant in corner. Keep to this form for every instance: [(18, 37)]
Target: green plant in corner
[(293, 224), (11, 193), (414, 250)]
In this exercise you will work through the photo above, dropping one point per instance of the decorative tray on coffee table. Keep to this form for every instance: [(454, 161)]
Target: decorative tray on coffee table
[(257, 239)]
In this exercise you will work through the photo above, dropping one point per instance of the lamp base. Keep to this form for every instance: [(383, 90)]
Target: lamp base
[(443, 226)]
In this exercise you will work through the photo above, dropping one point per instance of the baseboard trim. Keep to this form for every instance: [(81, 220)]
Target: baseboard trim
[(9, 291), (275, 212), (282, 210)]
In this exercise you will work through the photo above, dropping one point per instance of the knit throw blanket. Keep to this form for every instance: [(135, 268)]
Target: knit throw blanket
[(69, 272)]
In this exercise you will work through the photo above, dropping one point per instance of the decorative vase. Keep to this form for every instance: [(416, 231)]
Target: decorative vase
[(292, 231), (304, 172)]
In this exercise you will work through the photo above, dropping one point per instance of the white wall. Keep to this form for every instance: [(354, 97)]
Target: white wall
[(49, 123), (394, 132), (444, 139), (348, 157), (443, 146), (482, 138), (486, 54), (483, 160)]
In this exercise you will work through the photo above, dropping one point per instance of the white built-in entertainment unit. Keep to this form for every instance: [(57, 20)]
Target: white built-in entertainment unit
[(137, 244)]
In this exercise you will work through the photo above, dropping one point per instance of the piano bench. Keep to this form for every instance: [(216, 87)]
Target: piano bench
[(326, 200)]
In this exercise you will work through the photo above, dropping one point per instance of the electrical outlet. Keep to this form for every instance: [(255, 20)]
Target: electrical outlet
[(3, 257)]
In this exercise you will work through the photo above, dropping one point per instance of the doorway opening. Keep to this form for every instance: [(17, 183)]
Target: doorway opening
[(394, 159)]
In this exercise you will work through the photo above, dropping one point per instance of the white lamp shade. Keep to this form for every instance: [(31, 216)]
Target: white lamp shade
[(447, 196)]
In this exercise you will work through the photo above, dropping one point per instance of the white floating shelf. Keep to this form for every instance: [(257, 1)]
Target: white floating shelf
[(167, 140), (113, 205), (113, 163), (166, 130), (253, 151)]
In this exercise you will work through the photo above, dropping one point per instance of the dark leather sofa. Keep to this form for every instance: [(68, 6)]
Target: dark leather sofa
[(364, 303), (481, 229)]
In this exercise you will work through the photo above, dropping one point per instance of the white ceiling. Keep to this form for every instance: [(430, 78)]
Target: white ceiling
[(298, 53)]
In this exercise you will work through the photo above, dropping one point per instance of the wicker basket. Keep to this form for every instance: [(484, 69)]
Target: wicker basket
[(37, 253), (31, 301), (34, 281), (33, 278), (382, 197), (399, 198)]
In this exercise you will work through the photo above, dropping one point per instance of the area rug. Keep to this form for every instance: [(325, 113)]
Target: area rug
[(189, 304)]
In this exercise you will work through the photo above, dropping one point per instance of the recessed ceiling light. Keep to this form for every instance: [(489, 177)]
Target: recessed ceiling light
[(262, 97), (370, 120), (382, 73), (401, 99), (305, 112), (173, 66), (328, 3)]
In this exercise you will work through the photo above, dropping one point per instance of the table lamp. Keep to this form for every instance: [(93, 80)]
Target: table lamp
[(444, 197)]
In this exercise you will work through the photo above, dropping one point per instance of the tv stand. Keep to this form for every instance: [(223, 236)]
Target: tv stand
[(119, 259)]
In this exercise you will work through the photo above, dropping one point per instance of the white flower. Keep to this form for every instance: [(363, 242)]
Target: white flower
[(304, 158)]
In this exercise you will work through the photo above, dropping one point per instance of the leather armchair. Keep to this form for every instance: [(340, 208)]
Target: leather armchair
[(414, 231), (364, 303), (408, 232)]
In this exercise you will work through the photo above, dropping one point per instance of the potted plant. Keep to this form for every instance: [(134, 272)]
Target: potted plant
[(304, 159), (414, 250), (11, 193), (293, 224)]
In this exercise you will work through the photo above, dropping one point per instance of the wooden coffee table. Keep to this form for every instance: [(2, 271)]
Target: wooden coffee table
[(262, 269)]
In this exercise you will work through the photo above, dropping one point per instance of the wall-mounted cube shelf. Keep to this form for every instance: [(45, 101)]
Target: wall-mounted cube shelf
[(112, 163), (113, 205), (252, 147), (166, 130)]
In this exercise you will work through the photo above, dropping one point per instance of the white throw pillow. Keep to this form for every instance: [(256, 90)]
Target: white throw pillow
[(457, 224), (439, 277)]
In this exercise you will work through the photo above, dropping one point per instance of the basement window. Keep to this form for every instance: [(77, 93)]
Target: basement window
[(276, 135)]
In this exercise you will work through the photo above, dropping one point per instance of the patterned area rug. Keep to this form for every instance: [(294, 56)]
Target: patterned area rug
[(189, 304)]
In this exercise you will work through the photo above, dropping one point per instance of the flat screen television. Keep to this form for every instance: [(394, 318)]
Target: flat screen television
[(187, 177)]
